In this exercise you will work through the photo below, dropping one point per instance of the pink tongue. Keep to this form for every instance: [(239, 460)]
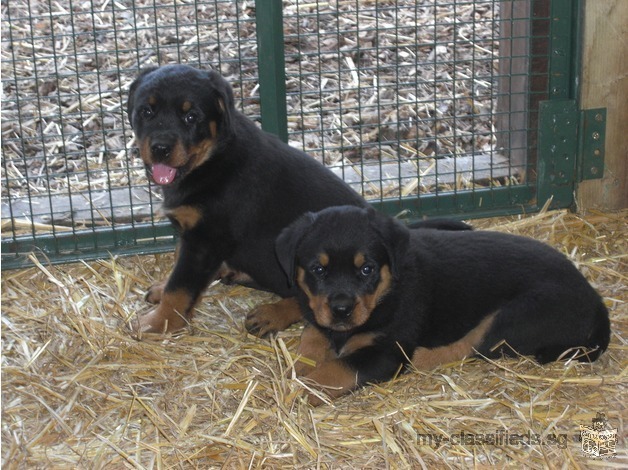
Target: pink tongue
[(163, 174)]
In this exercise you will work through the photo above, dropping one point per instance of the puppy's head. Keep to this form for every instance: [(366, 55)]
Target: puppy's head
[(345, 259), (180, 115)]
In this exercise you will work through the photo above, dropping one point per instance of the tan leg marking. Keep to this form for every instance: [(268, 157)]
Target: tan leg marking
[(173, 313), (334, 378), (155, 292), (231, 276), (425, 358), (315, 346), (270, 318)]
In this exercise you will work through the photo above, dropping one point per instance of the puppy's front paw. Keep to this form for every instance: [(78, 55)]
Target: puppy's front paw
[(155, 293), (267, 319), (161, 319), (331, 379)]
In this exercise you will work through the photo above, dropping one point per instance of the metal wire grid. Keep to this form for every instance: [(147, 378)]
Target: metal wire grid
[(67, 152), (381, 83), (372, 88)]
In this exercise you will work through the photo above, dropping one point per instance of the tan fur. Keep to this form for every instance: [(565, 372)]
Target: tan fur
[(359, 260), (334, 378), (317, 303), (358, 341), (314, 345), (213, 129), (367, 303), (274, 317), (187, 216), (425, 358), (171, 314), (201, 152)]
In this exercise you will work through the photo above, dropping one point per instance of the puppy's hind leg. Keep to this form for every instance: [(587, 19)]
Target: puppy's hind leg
[(548, 326)]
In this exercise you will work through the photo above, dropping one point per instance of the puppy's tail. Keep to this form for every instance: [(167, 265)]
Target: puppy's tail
[(601, 336), (440, 224), (587, 350)]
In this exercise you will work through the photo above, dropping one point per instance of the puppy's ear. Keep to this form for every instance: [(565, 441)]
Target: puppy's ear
[(131, 101), (288, 241), (395, 237), (222, 95)]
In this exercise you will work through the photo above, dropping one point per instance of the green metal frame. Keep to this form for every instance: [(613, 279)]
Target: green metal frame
[(272, 75), (557, 167)]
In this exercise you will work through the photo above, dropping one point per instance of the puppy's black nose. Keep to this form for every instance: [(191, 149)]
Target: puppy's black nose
[(160, 151), (341, 307)]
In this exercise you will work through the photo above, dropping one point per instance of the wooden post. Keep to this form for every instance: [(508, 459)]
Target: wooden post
[(605, 85)]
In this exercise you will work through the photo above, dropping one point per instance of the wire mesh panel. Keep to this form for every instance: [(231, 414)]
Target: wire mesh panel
[(402, 97), (424, 107), (70, 176)]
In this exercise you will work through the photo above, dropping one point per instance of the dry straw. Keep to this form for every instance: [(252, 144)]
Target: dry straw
[(78, 392)]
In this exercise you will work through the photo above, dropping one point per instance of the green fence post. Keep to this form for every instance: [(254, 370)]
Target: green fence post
[(272, 71)]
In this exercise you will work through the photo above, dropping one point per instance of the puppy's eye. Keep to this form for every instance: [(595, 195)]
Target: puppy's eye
[(146, 112), (190, 119), (367, 270), (318, 270)]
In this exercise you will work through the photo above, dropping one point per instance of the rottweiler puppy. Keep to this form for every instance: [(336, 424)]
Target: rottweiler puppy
[(378, 296), (229, 188)]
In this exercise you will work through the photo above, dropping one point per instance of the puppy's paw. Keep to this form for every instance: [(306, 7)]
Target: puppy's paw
[(155, 293), (267, 319), (332, 379), (158, 320), (303, 367)]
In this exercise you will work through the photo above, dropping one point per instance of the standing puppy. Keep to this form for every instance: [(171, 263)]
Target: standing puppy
[(377, 296), (229, 189)]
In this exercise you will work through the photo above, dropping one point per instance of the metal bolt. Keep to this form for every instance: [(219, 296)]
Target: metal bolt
[(599, 117), (597, 152), (596, 135), (594, 170)]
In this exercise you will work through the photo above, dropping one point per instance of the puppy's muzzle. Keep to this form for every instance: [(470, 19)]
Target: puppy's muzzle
[(341, 306), (160, 151)]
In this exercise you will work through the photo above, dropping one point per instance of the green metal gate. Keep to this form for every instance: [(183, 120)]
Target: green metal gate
[(461, 107)]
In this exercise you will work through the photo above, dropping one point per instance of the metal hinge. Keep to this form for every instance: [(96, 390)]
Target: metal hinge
[(557, 150), (591, 146)]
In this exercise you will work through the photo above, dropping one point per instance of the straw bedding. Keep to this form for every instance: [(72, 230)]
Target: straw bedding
[(78, 392)]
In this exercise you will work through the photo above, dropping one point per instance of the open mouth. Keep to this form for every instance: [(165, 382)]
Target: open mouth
[(163, 174)]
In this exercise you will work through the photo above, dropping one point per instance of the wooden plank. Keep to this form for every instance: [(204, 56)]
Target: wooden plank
[(84, 209), (605, 85), (383, 179)]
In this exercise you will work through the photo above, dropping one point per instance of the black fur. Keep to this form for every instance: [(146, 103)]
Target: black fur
[(443, 285), (239, 186)]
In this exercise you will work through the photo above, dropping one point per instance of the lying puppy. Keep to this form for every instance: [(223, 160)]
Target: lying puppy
[(377, 296), (229, 189)]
